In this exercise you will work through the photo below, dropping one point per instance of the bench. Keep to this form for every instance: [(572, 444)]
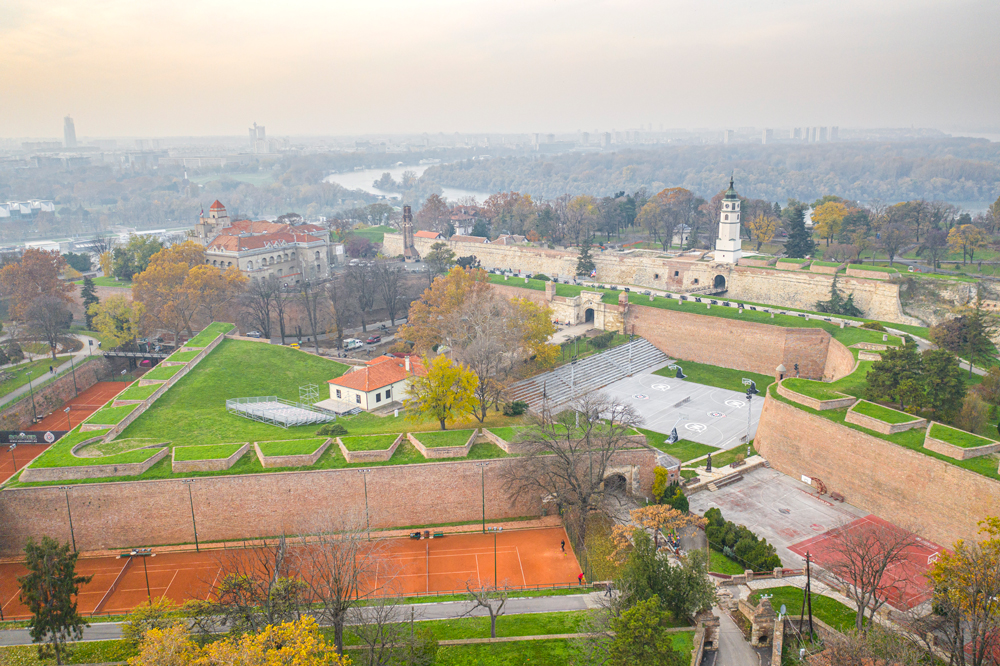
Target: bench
[(438, 535)]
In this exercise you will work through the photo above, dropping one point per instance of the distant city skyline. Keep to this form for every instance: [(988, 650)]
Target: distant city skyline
[(305, 67)]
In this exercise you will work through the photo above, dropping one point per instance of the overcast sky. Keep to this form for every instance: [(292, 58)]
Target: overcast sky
[(210, 67)]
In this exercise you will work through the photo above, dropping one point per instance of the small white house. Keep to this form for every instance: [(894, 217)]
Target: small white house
[(380, 381)]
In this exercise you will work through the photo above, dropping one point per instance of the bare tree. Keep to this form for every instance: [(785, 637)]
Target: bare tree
[(360, 281), (47, 317), (894, 237), (338, 566), (864, 557), (876, 646), (491, 598), (389, 282), (566, 456), (387, 638), (102, 243), (257, 305), (341, 308), (313, 299), (282, 301)]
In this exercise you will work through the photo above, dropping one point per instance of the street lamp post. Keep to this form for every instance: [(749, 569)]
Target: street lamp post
[(69, 513), (73, 368), (368, 525), (194, 525), (482, 474), (34, 412), (11, 449), (69, 420), (572, 384)]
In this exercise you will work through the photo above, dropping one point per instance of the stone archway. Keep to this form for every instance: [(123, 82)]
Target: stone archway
[(588, 316), (616, 483), (720, 282)]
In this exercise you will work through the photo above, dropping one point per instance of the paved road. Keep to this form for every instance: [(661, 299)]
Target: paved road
[(78, 357), (103, 631), (733, 649)]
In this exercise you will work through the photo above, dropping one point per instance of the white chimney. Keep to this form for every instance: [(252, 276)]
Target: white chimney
[(407, 363)]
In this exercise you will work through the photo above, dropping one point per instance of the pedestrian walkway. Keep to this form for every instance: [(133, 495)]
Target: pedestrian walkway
[(68, 366)]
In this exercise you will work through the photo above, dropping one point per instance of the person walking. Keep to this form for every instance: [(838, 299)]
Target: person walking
[(562, 544)]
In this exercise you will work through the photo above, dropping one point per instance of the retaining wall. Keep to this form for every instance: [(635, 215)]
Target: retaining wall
[(215, 465), (934, 498), (829, 270), (881, 426), (301, 460), (814, 403), (148, 513), (957, 452), (434, 452), (868, 275), (47, 474), (377, 455)]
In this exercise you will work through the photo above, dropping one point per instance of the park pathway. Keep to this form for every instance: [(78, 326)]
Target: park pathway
[(78, 357)]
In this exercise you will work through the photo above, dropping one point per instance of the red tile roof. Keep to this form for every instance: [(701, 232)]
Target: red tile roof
[(217, 206), (251, 227), (426, 234), (379, 373), (233, 243), (469, 239)]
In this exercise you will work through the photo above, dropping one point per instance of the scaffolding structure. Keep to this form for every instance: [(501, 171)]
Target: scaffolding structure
[(309, 394), (278, 411)]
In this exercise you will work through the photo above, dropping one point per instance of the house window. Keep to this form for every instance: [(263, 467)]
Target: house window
[(676, 273), (388, 393), (338, 393), (357, 398), (378, 397), (727, 216), (317, 254)]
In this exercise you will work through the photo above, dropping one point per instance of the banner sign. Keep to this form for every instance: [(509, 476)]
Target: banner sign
[(30, 436)]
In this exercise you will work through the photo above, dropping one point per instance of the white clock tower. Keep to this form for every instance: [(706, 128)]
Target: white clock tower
[(728, 245)]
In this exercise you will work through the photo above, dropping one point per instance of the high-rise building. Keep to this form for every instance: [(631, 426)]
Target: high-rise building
[(766, 136), (834, 133), (69, 132), (258, 140), (727, 136), (822, 135)]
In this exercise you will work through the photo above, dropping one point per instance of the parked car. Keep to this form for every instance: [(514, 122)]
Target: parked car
[(352, 343), (253, 334), (374, 339), (294, 345)]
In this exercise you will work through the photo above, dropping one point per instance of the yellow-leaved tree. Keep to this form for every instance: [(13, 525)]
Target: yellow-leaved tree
[(762, 228), (445, 296), (118, 319), (446, 393), (966, 239), (828, 218), (535, 323)]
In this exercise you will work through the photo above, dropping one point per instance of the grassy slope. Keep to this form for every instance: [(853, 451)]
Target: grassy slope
[(205, 452), (296, 447), (725, 457), (39, 370), (446, 438), (209, 333), (163, 372), (136, 392), (719, 377), (966, 440), (831, 611), (111, 415), (724, 565), (107, 282), (812, 389), (369, 442), (184, 356), (373, 234)]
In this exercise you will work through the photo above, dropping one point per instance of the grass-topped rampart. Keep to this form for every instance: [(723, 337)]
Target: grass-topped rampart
[(211, 332), (371, 442), (881, 413), (208, 452), (956, 437)]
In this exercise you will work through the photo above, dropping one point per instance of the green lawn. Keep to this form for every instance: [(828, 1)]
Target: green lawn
[(434, 440), (583, 348), (812, 389), (205, 452), (719, 377), (107, 282), (912, 439), (882, 413), (163, 372), (210, 332), (724, 565), (723, 458), (39, 370), (117, 446), (373, 234), (966, 440), (508, 433), (136, 392), (828, 610), (869, 267), (788, 260), (60, 454), (294, 447), (682, 449), (828, 264), (111, 415), (90, 652), (184, 356), (370, 442)]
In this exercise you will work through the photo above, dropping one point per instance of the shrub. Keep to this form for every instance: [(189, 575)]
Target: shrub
[(332, 430), (739, 543), (659, 483), (542, 277), (675, 498), (516, 408), (873, 326), (603, 340)]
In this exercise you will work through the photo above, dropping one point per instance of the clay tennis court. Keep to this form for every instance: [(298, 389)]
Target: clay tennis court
[(907, 582), (82, 406), (524, 558)]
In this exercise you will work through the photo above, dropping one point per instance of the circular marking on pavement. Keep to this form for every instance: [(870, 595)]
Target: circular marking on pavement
[(660, 387), (716, 414), (697, 427), (818, 528), (735, 403), (641, 396)]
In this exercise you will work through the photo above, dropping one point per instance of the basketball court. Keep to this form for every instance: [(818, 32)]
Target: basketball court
[(906, 581), (520, 558)]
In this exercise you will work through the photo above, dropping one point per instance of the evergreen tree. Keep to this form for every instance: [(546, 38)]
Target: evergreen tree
[(89, 295), (888, 378), (838, 304), (49, 590), (585, 264), (800, 243), (943, 384)]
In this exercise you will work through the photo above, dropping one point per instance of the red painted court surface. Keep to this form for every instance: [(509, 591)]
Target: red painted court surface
[(82, 406), (906, 583), (524, 558)]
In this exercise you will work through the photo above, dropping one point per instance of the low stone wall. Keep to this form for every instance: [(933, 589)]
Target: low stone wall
[(300, 460), (217, 465), (152, 382), (376, 455), (871, 275), (957, 452), (434, 452), (42, 474), (246, 339), (869, 356), (814, 403), (122, 403), (881, 426), (745, 261), (829, 270), (791, 266), (18, 415)]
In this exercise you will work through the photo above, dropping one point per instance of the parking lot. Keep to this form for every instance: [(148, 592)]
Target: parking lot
[(702, 414)]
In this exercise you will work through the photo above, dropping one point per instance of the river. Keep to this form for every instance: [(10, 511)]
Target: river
[(362, 180)]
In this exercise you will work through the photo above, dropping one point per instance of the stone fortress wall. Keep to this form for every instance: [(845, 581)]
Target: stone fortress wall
[(795, 289)]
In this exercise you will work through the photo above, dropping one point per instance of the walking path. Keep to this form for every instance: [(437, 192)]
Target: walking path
[(78, 357)]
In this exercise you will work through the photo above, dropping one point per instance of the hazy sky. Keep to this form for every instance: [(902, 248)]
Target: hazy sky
[(142, 68)]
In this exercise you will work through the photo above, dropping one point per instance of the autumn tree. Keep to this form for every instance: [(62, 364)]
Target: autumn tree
[(580, 216), (434, 214), (446, 392), (49, 590), (762, 228), (567, 456), (118, 319), (446, 295), (313, 300), (934, 247), (47, 317), (966, 239), (134, 257), (509, 211), (828, 218), (36, 274), (894, 237)]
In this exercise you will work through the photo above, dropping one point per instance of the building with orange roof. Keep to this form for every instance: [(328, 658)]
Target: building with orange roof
[(379, 382), (433, 235)]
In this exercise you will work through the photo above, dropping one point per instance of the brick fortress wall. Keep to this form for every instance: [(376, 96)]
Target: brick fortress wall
[(145, 513), (935, 499), (796, 289), (52, 396)]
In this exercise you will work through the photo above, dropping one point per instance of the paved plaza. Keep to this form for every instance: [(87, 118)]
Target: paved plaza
[(702, 414)]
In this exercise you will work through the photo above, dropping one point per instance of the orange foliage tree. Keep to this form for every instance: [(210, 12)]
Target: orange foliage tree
[(37, 274)]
